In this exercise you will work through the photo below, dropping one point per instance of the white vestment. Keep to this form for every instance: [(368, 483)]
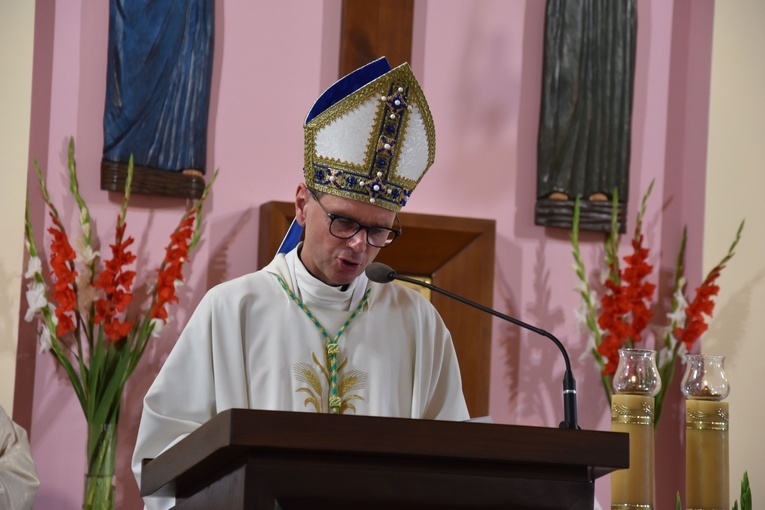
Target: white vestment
[(18, 476), (249, 345)]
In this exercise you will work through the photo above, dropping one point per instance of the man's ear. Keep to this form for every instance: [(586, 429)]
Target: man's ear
[(302, 196)]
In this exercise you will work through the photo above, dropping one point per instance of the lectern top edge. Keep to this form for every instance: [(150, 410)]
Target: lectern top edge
[(236, 433)]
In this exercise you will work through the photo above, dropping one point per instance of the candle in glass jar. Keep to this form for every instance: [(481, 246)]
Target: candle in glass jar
[(633, 487), (706, 454)]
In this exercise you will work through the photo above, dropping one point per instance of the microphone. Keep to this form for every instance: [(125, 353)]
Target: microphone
[(380, 273)]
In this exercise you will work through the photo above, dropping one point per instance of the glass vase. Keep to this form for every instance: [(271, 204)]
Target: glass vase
[(99, 480)]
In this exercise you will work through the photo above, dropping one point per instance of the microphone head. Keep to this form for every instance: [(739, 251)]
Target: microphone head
[(379, 272)]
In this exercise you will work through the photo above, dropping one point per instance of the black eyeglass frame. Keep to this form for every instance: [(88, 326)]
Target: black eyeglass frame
[(359, 226)]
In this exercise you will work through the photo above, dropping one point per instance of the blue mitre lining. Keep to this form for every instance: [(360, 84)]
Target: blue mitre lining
[(292, 239), (349, 84)]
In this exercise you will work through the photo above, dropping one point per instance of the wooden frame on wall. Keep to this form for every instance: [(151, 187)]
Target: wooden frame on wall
[(370, 30), (457, 254)]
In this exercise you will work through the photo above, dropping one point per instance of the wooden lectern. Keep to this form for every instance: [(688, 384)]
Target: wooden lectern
[(283, 460)]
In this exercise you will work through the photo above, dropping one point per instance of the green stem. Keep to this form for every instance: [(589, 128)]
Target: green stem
[(667, 374), (606, 380), (99, 481)]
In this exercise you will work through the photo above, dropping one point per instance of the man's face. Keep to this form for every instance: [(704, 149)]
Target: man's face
[(337, 261)]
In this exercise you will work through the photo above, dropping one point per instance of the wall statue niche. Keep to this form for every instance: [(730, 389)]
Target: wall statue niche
[(584, 131)]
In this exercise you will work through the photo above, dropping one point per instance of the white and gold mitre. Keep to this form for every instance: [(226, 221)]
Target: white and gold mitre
[(370, 136)]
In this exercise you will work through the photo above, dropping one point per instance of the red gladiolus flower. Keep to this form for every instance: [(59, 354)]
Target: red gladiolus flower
[(171, 269), (625, 308), (62, 264), (115, 329), (116, 282), (702, 304)]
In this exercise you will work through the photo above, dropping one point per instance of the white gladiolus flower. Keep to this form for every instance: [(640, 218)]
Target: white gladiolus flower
[(683, 353), (594, 299), (84, 222), (664, 333), (86, 293), (590, 346), (44, 335), (580, 314), (34, 267), (677, 316), (581, 287), (158, 326), (35, 298), (85, 254), (605, 271), (665, 354)]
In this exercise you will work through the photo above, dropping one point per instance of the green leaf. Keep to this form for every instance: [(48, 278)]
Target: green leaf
[(61, 358), (746, 494), (93, 379), (109, 400), (641, 214)]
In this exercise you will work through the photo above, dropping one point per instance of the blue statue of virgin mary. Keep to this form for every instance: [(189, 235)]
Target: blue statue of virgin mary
[(158, 83)]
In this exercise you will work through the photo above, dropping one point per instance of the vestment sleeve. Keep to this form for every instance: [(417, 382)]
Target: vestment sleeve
[(182, 396), (18, 477), (438, 382)]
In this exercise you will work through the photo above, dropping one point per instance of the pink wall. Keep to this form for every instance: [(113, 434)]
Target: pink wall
[(479, 63)]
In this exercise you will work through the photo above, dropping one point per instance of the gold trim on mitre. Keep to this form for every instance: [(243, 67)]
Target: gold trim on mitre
[(374, 145)]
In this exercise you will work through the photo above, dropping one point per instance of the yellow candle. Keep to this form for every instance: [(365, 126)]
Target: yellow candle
[(633, 488), (706, 455)]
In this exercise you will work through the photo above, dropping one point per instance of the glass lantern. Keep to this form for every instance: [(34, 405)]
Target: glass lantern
[(637, 373), (704, 378)]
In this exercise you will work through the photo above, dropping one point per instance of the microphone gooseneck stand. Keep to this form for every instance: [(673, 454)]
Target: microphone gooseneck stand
[(380, 273)]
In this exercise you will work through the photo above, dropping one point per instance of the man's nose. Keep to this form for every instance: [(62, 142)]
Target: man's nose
[(358, 243)]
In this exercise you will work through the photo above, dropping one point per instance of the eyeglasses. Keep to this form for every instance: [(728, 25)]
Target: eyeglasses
[(345, 228)]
